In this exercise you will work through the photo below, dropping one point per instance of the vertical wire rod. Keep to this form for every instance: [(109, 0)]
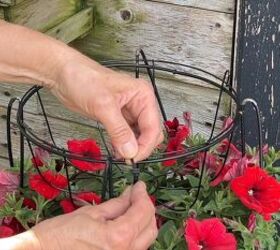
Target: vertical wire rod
[(224, 81), (45, 117), (68, 179), (258, 116), (152, 78), (135, 171), (8, 124)]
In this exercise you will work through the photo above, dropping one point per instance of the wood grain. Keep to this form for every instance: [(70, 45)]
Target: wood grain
[(6, 3), (200, 101), (258, 67), (226, 6), (191, 32), (10, 2), (4, 163), (43, 15), (165, 31), (73, 27), (62, 131)]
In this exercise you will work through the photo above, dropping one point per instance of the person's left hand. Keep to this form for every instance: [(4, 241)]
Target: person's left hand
[(124, 223)]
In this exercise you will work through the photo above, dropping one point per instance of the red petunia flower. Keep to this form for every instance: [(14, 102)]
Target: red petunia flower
[(258, 191), (212, 163), (234, 152), (29, 203), (227, 123), (172, 127), (89, 149), (209, 234), (175, 144), (13, 224), (67, 206), (48, 188), (6, 232), (88, 197), (81, 199), (233, 169)]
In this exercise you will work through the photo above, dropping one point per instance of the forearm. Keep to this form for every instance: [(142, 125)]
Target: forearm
[(24, 241), (28, 56)]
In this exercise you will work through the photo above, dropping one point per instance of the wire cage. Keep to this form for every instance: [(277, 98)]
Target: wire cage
[(114, 169)]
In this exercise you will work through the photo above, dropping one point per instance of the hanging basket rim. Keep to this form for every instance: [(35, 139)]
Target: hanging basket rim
[(146, 65)]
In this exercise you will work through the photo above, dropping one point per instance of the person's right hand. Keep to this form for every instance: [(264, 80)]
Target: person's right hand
[(126, 106), (124, 223)]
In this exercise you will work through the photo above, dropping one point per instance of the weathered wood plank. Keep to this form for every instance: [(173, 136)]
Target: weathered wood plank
[(165, 31), (6, 3), (226, 6), (73, 27), (4, 163), (62, 131), (200, 101), (10, 2), (258, 65), (43, 15)]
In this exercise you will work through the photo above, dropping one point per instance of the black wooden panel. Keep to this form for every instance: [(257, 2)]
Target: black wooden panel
[(258, 66)]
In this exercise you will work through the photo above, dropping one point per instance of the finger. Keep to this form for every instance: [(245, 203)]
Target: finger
[(140, 213), (122, 137), (147, 237), (150, 133), (149, 125), (113, 208)]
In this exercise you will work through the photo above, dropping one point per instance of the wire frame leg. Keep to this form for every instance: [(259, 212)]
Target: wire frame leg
[(9, 134)]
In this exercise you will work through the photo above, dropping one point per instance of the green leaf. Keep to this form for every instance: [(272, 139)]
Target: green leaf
[(194, 181)]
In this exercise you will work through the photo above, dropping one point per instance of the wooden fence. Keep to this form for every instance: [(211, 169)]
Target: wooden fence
[(198, 33)]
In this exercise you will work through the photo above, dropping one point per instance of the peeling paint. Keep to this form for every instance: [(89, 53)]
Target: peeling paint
[(258, 72)]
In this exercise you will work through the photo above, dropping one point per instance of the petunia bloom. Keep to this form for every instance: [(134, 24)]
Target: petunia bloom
[(89, 198), (89, 149), (212, 163), (175, 144), (234, 152), (233, 169), (29, 203), (9, 183), (13, 224), (48, 188), (67, 206), (81, 199), (172, 127), (258, 191), (209, 234), (227, 123), (6, 231)]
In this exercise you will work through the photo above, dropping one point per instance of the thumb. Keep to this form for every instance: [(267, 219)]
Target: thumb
[(121, 135)]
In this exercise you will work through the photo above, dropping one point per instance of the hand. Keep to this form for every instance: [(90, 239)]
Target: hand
[(124, 223), (125, 106)]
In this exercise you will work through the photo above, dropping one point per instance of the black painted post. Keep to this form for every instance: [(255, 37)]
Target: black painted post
[(258, 66)]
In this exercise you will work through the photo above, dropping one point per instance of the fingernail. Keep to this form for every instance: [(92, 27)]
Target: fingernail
[(128, 150), (140, 185)]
